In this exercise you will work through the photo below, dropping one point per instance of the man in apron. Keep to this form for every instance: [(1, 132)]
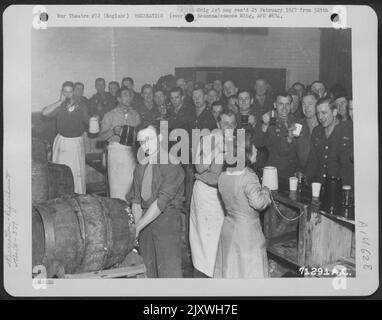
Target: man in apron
[(69, 146), (121, 158)]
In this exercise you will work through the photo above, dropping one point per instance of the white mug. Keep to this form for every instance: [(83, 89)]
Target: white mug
[(93, 125), (270, 178), (316, 187), (293, 183), (297, 129)]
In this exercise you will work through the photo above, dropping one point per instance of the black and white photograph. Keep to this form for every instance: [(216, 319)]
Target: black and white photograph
[(208, 153)]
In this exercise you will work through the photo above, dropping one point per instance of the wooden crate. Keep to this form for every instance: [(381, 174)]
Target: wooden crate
[(315, 239)]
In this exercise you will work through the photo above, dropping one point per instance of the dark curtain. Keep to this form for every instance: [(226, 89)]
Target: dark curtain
[(335, 58)]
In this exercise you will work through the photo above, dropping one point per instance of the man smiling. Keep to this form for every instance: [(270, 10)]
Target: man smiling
[(316, 169), (278, 138)]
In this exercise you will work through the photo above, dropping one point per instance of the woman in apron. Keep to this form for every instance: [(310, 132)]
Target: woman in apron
[(241, 252), (69, 146)]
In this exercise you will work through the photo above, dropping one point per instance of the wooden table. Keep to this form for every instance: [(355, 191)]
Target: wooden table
[(311, 237)]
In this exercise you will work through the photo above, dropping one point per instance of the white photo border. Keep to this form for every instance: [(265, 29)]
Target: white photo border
[(17, 22)]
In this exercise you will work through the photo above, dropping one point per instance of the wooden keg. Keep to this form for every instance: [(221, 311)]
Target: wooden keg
[(81, 233), (50, 180)]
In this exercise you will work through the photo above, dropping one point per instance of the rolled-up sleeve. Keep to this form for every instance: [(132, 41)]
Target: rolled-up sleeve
[(172, 180), (133, 196)]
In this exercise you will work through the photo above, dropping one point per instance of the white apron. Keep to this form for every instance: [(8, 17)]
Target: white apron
[(206, 220), (121, 162), (71, 152)]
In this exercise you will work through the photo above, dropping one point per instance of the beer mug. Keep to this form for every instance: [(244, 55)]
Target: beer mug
[(127, 137), (244, 119)]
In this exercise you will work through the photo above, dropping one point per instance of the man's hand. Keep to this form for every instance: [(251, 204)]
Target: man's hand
[(117, 130), (290, 133), (252, 120), (266, 120)]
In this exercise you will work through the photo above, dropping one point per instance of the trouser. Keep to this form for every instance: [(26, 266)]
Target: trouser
[(188, 188), (160, 246), (188, 184)]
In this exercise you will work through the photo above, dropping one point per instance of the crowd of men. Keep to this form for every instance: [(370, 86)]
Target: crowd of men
[(323, 148), (187, 105)]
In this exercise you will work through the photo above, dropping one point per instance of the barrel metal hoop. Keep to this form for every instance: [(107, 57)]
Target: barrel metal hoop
[(108, 236), (49, 234), (78, 211)]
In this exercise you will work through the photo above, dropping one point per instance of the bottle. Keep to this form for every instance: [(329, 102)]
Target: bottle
[(347, 202), (301, 180), (272, 121)]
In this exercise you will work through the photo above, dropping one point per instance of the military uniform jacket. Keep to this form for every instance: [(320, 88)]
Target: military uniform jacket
[(100, 105), (282, 154), (341, 153), (148, 115), (317, 165), (303, 143), (258, 109)]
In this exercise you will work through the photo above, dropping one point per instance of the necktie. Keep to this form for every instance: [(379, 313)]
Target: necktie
[(147, 182)]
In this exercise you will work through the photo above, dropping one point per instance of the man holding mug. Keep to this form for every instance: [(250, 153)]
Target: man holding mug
[(246, 120), (69, 147), (120, 157), (279, 138)]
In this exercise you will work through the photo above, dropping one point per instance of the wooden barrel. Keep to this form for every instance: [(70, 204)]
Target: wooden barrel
[(50, 180), (81, 233), (41, 150)]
